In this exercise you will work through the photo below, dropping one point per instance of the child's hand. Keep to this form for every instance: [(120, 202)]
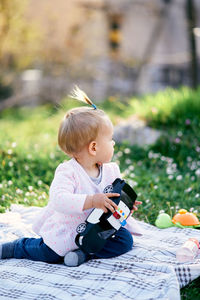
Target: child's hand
[(135, 206), (101, 201)]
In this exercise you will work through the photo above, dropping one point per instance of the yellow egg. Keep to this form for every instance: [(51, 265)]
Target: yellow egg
[(182, 211)]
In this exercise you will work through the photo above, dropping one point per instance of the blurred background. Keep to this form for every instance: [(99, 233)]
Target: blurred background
[(111, 48)]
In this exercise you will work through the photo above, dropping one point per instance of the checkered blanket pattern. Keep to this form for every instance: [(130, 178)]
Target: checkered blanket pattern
[(148, 272)]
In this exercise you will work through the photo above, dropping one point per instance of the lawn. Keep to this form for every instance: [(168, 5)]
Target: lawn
[(165, 175)]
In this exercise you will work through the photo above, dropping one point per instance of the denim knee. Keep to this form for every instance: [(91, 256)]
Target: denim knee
[(126, 240), (120, 243)]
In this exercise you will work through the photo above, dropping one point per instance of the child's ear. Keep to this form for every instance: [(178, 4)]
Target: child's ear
[(92, 148)]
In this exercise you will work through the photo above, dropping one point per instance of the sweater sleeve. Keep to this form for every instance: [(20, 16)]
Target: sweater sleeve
[(63, 198), (133, 226)]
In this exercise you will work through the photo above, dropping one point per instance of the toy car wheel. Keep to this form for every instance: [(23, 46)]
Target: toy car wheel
[(108, 189), (81, 227)]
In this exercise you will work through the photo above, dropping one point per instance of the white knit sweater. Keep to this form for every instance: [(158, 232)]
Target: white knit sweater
[(59, 219)]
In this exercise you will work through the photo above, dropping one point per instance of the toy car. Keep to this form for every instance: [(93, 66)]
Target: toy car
[(99, 226)]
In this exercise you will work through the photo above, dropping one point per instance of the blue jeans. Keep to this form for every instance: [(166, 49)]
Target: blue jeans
[(36, 249)]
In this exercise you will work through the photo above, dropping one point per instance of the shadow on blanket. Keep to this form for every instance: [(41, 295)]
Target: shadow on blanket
[(148, 271)]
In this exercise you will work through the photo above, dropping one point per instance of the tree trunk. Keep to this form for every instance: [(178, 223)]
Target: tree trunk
[(191, 24)]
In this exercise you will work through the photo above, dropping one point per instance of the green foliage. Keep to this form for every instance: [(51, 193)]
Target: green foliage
[(165, 175), (19, 36), (169, 108), (165, 109)]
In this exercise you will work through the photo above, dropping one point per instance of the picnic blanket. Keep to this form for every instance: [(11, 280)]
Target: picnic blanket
[(148, 271)]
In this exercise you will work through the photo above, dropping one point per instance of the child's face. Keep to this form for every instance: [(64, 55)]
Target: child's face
[(105, 144)]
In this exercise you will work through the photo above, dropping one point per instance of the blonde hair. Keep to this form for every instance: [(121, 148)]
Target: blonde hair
[(79, 127)]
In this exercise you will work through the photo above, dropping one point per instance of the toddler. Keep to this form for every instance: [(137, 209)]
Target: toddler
[(85, 135)]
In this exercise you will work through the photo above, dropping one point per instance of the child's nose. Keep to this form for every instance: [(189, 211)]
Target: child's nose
[(113, 143)]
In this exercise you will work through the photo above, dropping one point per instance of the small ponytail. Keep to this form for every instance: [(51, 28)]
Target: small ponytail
[(80, 95)]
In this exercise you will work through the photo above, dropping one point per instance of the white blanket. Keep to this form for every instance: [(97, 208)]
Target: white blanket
[(148, 271)]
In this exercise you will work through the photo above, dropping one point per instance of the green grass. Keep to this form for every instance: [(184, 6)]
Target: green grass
[(165, 175), (168, 108)]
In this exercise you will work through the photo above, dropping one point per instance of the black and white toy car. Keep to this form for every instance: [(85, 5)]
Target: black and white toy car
[(99, 226)]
